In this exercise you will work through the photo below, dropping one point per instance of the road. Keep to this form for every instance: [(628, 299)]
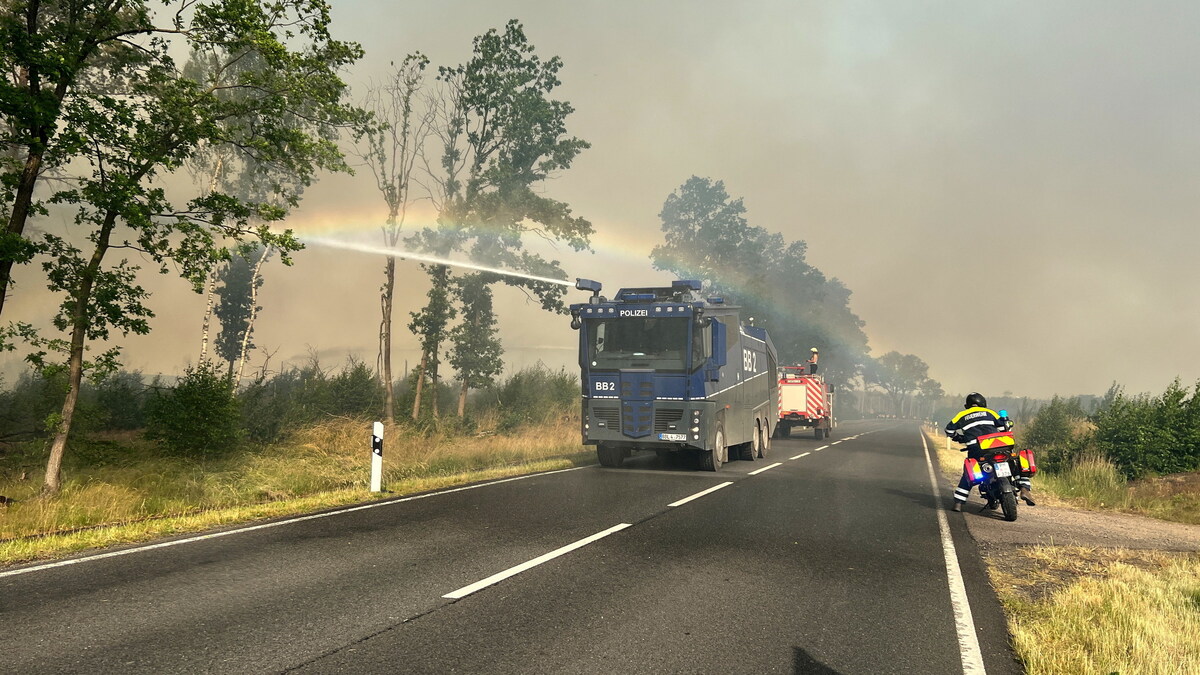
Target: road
[(831, 561)]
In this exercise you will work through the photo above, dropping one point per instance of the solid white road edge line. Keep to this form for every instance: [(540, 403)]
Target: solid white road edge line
[(803, 454), (512, 571), (225, 533), (700, 494), (964, 622), (765, 468)]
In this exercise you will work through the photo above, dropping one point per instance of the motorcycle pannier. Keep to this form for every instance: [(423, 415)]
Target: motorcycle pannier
[(973, 470), (1028, 466)]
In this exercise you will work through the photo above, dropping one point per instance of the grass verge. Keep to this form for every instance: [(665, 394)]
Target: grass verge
[(1074, 610), (133, 494), (1093, 610)]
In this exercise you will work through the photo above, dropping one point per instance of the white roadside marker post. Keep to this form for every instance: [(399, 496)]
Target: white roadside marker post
[(377, 458)]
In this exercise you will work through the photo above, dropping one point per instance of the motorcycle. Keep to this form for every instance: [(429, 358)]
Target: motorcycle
[(996, 472)]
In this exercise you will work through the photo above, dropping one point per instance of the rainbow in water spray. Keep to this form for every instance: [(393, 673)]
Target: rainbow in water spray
[(408, 255)]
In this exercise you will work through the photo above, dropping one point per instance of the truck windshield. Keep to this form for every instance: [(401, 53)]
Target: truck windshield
[(638, 342)]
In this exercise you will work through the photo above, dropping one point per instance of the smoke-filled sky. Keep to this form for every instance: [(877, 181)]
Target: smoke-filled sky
[(1008, 188)]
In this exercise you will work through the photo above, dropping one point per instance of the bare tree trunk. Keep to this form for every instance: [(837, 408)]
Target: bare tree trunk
[(208, 310), (385, 341), (253, 312), (416, 413), (433, 381), (212, 277), (80, 322), (462, 399)]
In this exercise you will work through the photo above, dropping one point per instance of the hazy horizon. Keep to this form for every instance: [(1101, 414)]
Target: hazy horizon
[(1039, 160)]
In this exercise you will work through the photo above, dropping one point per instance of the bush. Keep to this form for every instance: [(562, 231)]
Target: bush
[(1060, 433), (199, 416), (121, 400), (1144, 434), (534, 395)]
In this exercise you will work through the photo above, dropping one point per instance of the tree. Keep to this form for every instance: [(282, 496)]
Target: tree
[(707, 237), (899, 375), (393, 147), (130, 116), (429, 324), (239, 279), (476, 350), (500, 134)]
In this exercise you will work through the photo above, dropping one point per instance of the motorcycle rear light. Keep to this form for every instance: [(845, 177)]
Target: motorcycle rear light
[(1001, 458)]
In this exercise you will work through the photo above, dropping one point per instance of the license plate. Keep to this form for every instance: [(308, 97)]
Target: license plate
[(1003, 470), (678, 438)]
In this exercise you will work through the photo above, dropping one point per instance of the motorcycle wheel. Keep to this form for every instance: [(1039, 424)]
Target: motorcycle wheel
[(1008, 502)]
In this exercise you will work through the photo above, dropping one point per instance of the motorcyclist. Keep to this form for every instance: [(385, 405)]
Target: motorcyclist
[(976, 420)]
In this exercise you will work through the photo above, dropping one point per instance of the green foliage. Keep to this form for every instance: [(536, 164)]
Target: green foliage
[(707, 237), (121, 400), (236, 283), (273, 408), (199, 416), (27, 409), (476, 350), (1152, 434), (534, 395), (1058, 433)]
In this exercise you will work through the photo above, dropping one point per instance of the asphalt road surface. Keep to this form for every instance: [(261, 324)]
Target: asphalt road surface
[(832, 561)]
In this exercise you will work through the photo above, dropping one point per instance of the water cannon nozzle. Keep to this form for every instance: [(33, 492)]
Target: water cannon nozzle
[(588, 285)]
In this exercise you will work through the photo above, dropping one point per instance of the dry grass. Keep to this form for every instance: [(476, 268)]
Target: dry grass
[(144, 495), (1074, 610)]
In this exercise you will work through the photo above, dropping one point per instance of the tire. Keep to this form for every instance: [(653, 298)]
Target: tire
[(818, 433), (764, 442), (1008, 503), (750, 451), (610, 456), (710, 460), (827, 432)]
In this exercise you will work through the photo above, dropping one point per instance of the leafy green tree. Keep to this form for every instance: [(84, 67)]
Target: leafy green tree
[(500, 135), (707, 237), (238, 281), (199, 416), (128, 117), (430, 326), (476, 350)]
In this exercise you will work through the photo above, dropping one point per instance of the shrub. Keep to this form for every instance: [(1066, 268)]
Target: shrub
[(534, 395), (1144, 434), (199, 416), (121, 400), (1060, 433)]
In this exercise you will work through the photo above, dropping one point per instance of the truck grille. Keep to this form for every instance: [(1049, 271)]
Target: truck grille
[(610, 416), (664, 419)]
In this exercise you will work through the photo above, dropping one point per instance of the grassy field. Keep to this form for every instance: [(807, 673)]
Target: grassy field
[(121, 489), (1092, 610)]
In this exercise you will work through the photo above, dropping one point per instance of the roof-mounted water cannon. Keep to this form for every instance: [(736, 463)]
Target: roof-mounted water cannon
[(586, 285)]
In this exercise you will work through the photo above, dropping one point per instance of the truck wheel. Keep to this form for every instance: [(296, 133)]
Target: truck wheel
[(750, 451), (764, 442), (710, 460), (610, 456), (827, 432), (818, 433)]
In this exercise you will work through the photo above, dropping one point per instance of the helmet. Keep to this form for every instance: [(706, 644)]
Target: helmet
[(974, 400), (814, 349)]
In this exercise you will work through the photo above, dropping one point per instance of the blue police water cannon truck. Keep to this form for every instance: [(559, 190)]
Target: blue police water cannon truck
[(668, 370)]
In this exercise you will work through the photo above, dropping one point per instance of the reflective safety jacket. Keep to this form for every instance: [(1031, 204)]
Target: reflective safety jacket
[(968, 425)]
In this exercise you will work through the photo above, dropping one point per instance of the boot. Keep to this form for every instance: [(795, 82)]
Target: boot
[(1028, 497)]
